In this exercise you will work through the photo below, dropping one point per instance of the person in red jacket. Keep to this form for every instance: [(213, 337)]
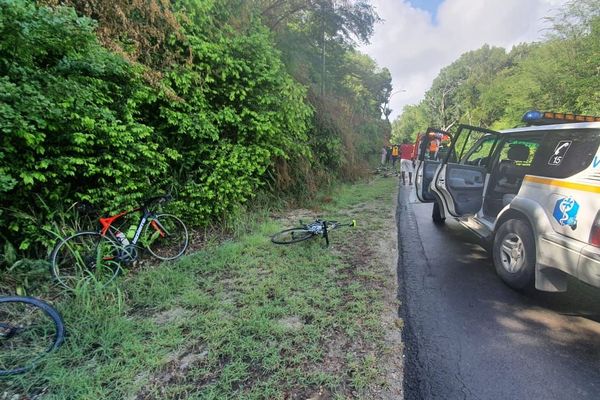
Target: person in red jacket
[(406, 161)]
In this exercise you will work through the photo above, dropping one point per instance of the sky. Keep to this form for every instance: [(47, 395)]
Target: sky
[(419, 37)]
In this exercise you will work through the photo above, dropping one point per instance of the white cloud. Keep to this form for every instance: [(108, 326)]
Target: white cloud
[(414, 47)]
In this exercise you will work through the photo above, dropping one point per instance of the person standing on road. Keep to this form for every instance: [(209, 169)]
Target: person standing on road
[(407, 151), (395, 155), (383, 155), (434, 145)]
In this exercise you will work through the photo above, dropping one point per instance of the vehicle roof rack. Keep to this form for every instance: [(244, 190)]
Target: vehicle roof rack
[(546, 118)]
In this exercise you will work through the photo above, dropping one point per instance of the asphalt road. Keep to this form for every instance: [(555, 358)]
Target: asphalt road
[(469, 336)]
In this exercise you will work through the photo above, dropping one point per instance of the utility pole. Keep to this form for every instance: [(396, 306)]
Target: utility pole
[(322, 48)]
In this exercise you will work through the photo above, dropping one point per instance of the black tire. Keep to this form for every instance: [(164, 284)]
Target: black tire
[(29, 329), (292, 235), (166, 237), (514, 254), (436, 214), (85, 256)]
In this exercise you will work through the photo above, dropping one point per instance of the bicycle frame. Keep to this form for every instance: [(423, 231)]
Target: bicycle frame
[(146, 214), (319, 227)]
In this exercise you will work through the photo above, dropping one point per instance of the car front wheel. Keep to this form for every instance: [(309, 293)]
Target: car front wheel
[(514, 254)]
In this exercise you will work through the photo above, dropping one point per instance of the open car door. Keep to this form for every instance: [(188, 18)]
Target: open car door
[(460, 181), (430, 149)]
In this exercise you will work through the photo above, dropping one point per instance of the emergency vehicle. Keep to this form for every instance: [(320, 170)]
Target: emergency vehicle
[(531, 193)]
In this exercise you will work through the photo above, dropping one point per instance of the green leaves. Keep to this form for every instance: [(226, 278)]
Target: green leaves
[(67, 127), (213, 115), (78, 123)]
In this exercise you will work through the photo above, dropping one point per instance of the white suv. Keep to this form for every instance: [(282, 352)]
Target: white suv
[(532, 193)]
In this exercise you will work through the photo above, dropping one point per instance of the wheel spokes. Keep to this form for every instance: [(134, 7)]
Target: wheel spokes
[(86, 256), (512, 253), (165, 237)]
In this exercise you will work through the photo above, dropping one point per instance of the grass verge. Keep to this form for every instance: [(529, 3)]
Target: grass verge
[(242, 319)]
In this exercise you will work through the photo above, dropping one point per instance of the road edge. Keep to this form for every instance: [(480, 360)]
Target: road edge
[(413, 386)]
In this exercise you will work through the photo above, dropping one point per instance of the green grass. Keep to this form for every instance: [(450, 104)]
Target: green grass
[(243, 319)]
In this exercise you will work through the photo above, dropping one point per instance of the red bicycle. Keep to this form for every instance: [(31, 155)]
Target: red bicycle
[(98, 256)]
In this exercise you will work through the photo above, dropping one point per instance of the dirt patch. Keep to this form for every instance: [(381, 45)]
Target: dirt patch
[(170, 316), (178, 364), (291, 323), (293, 217)]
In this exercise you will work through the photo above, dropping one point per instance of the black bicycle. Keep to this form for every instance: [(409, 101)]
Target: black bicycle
[(307, 231), (29, 329), (98, 255), (385, 171)]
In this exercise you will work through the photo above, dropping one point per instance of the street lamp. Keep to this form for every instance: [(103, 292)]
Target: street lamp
[(386, 110), (397, 91)]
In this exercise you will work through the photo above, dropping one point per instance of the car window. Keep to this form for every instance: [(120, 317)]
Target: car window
[(480, 153), (465, 142), (566, 153), (529, 146)]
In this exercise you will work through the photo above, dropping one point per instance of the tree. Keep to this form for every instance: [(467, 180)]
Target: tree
[(139, 30), (456, 91), (346, 89), (412, 121)]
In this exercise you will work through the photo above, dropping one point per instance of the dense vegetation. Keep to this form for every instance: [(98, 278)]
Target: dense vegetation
[(108, 102), (493, 88)]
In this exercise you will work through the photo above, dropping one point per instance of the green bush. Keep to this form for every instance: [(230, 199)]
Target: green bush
[(79, 122), (68, 121), (238, 111)]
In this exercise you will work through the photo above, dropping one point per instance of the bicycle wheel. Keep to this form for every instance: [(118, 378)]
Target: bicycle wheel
[(165, 236), (292, 235), (86, 256), (29, 329)]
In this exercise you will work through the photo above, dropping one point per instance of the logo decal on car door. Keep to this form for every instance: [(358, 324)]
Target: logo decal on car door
[(565, 212)]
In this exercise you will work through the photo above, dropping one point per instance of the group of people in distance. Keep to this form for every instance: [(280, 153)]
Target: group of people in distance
[(404, 152), (407, 153)]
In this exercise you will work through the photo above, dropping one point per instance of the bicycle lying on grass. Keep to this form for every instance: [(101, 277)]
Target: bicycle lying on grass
[(29, 329), (99, 255), (308, 231), (385, 171)]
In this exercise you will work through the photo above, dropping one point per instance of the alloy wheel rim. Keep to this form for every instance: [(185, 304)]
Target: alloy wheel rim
[(512, 253)]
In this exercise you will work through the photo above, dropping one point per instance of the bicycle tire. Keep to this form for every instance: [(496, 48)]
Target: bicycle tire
[(16, 345), (287, 236), (166, 237), (79, 256)]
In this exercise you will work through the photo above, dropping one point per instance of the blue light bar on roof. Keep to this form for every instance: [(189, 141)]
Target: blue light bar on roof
[(532, 116), (544, 118)]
